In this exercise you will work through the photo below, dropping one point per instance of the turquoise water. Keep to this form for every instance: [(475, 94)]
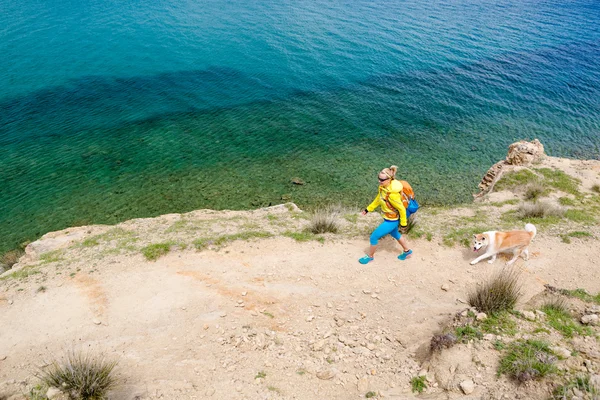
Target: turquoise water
[(111, 111)]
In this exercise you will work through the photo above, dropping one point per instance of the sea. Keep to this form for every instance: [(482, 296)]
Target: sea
[(113, 110)]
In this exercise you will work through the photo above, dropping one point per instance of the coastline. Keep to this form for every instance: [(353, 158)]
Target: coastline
[(199, 303)]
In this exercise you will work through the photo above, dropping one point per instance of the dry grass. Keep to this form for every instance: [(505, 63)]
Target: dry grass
[(11, 257), (499, 293), (534, 191), (81, 376), (324, 221), (538, 209)]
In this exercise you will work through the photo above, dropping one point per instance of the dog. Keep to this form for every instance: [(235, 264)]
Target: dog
[(499, 242)]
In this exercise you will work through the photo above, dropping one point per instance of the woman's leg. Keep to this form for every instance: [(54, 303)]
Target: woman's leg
[(386, 227), (404, 243)]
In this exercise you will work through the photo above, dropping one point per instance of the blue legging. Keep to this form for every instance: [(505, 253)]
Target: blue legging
[(386, 227)]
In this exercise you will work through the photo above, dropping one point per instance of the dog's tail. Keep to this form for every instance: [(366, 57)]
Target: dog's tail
[(531, 229)]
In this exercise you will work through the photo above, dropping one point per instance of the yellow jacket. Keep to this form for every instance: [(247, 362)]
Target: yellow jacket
[(391, 193)]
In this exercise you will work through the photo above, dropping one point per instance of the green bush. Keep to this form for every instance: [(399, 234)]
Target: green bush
[(418, 384), (324, 221)]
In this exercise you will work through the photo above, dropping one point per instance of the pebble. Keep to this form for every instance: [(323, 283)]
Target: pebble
[(209, 392), (528, 315), (467, 386), (326, 374), (445, 287), (96, 321), (481, 316), (3, 357), (244, 293), (10, 302), (310, 318), (223, 315), (366, 291)]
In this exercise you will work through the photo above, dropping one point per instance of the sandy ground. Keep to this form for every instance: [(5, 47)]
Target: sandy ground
[(260, 318)]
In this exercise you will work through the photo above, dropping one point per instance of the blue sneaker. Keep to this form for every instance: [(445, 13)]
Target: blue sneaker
[(365, 260), (405, 255)]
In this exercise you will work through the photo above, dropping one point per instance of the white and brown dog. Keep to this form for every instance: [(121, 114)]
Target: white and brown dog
[(500, 242)]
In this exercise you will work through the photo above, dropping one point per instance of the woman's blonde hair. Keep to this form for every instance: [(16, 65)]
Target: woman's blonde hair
[(389, 172)]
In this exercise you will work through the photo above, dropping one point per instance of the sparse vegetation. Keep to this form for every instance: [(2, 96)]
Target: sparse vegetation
[(581, 294), (527, 360), (560, 180), (11, 257), (370, 395), (534, 191), (580, 216), (499, 323), (516, 178), (154, 251), (81, 377), (566, 238), (324, 221), (539, 209), (260, 374), (581, 383), (596, 188), (559, 318), (566, 201), (203, 243), (499, 293), (51, 256), (418, 384), (22, 273), (464, 236), (467, 333)]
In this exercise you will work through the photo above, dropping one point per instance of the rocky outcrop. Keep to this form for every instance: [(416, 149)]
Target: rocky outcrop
[(520, 153)]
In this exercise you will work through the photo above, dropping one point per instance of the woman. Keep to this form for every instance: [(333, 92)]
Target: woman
[(389, 199)]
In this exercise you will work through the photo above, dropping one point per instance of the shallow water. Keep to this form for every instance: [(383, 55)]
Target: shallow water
[(112, 111)]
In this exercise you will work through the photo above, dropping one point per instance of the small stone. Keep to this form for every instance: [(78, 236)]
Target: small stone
[(96, 321), (2, 357), (529, 315), (310, 318), (53, 393), (374, 296), (329, 305), (223, 315), (366, 291), (591, 319), (244, 293), (467, 386), (489, 337), (481, 316), (560, 351), (183, 308), (318, 346), (10, 302), (326, 374), (445, 287)]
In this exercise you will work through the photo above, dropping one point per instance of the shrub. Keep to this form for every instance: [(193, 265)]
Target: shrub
[(559, 318), (418, 384), (538, 209), (81, 376), (534, 191), (442, 341), (499, 293), (11, 257), (324, 221), (528, 360), (596, 188)]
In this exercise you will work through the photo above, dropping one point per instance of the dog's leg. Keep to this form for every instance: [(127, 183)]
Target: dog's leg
[(481, 257), (525, 253), (491, 260), (516, 254)]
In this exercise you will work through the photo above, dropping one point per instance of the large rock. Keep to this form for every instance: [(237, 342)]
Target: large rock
[(519, 154), (525, 153)]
